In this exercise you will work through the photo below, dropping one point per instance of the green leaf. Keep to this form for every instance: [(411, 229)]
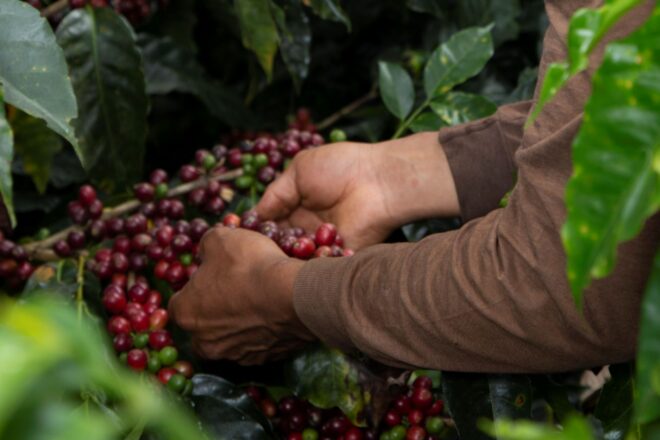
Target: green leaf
[(615, 184), (258, 31), (6, 157), (226, 411), (296, 40), (169, 67), (586, 29), (503, 14), (33, 70), (107, 73), (456, 108), (329, 10), (647, 403), (433, 7), (396, 89), (575, 428), (460, 58), (327, 378), (428, 121), (177, 21), (615, 404), (37, 146)]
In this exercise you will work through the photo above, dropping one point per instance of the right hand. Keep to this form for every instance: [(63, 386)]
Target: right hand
[(367, 190)]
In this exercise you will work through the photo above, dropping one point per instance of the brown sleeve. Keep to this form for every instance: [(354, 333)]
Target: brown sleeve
[(492, 296), (480, 156)]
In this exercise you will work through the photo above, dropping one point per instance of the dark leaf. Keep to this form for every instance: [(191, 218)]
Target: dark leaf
[(615, 405), (32, 69), (296, 40), (177, 21), (434, 7), (468, 400), (428, 121), (6, 157), (396, 89), (258, 30), (329, 10), (460, 58), (647, 404), (107, 73), (169, 67)]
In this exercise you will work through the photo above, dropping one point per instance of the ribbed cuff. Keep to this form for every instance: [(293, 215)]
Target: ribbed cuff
[(316, 299)]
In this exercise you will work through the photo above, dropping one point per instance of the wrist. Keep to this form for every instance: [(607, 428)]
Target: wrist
[(417, 179)]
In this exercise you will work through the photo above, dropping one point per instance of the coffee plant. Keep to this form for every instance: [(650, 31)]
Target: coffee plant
[(128, 128)]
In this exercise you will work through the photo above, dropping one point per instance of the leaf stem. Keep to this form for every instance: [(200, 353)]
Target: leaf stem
[(406, 123), (54, 8), (347, 109)]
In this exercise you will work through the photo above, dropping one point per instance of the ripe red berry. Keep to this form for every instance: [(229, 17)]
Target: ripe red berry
[(198, 228), (140, 242), (275, 159), (155, 297), (184, 368), (137, 359), (219, 151), (24, 270), (268, 407), (250, 220), (114, 226), (122, 245), (436, 408), (119, 324), (144, 192), (165, 374), (176, 209), (86, 195), (138, 293), (77, 212), (119, 262), (160, 269), (140, 321), (158, 176), (19, 253), (164, 235), (353, 433), (158, 339), (182, 244), (95, 209), (421, 398), (149, 309), (114, 300), (234, 157), (197, 197), (158, 319), (415, 416), (155, 251), (7, 267), (6, 247), (76, 4), (303, 248), (103, 270), (122, 342), (188, 173), (231, 220), (423, 382), (323, 251), (214, 205), (402, 404), (286, 244), (416, 433), (62, 248), (290, 148), (392, 418), (135, 224), (325, 234)]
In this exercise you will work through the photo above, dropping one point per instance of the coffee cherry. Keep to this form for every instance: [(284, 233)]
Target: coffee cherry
[(122, 342), (140, 242), (86, 195), (197, 197), (119, 262), (149, 309), (168, 355), (182, 244), (24, 270), (114, 299), (159, 339), (7, 267), (135, 224), (339, 425), (164, 235), (323, 251), (423, 382), (231, 220), (234, 157), (275, 159), (421, 398), (122, 245), (176, 209), (6, 248), (182, 227), (19, 253), (140, 340), (114, 226), (434, 425), (144, 192), (97, 230), (325, 234), (416, 433), (270, 229), (198, 228), (392, 418), (286, 243), (103, 270), (137, 359), (161, 268), (138, 293), (266, 175), (77, 213), (153, 364), (310, 434), (353, 433), (436, 408), (314, 416), (176, 383), (188, 173), (415, 416), (214, 206), (62, 248), (184, 368), (402, 404), (77, 4), (158, 176), (95, 209), (294, 436), (303, 248), (250, 220), (119, 324), (297, 421), (268, 407), (220, 151), (165, 374), (132, 309), (290, 148), (158, 319)]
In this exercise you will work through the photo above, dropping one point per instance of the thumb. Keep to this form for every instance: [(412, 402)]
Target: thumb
[(281, 197)]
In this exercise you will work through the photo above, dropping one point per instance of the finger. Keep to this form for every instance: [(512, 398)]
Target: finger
[(281, 197)]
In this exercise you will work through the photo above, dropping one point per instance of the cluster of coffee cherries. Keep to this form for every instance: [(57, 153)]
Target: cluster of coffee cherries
[(15, 269), (297, 419), (138, 324), (414, 414)]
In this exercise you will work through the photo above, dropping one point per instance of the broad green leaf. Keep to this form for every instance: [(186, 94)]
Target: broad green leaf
[(615, 184), (226, 411), (169, 67), (329, 10), (396, 89), (457, 60), (107, 73), (328, 378), (37, 145), (456, 108), (575, 428), (647, 403), (586, 29), (258, 30), (428, 121), (615, 404), (296, 40), (32, 69), (6, 157)]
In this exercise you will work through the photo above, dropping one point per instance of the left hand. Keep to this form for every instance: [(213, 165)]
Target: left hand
[(239, 303)]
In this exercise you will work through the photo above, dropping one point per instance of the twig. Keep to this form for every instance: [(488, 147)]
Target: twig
[(54, 8), (41, 250), (348, 109)]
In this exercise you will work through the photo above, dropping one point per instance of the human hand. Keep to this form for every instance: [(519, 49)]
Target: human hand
[(239, 303), (367, 190)]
